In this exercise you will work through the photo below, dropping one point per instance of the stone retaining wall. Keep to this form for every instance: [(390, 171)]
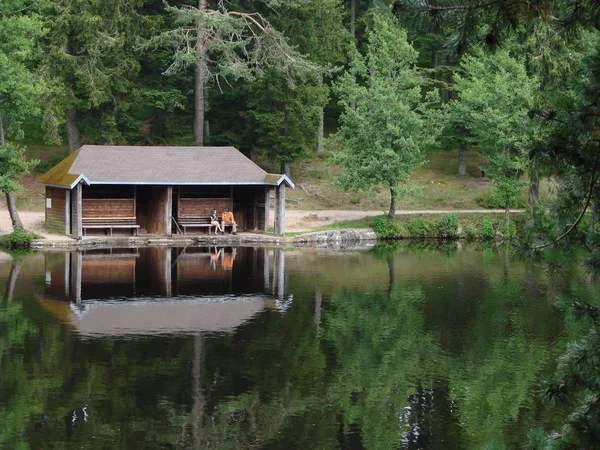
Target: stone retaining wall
[(339, 239)]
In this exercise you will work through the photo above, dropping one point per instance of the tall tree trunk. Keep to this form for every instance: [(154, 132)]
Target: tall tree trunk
[(462, 155), (321, 131), (507, 218), (10, 199), (12, 211), (285, 168), (353, 18), (73, 133), (199, 85), (392, 211)]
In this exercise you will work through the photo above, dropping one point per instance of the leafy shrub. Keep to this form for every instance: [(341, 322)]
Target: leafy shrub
[(387, 229), (17, 240), (470, 231), (488, 228), (447, 226), (419, 228), (491, 199)]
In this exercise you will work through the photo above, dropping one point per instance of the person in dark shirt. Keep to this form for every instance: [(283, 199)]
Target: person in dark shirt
[(214, 220)]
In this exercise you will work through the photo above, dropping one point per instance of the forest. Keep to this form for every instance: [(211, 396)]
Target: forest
[(380, 83), (374, 84)]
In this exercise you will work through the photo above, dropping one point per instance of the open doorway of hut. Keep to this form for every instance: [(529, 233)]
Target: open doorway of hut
[(151, 209)]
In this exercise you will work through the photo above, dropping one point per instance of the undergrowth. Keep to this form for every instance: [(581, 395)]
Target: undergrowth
[(17, 240)]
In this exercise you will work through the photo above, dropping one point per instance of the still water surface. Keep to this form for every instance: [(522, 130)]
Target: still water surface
[(251, 348)]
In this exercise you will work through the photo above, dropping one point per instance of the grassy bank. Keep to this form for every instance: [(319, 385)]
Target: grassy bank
[(426, 226)]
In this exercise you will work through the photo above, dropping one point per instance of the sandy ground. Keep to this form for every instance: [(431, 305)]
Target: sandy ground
[(32, 221), (296, 220)]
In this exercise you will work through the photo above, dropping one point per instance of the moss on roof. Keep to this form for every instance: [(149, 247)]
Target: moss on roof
[(59, 174)]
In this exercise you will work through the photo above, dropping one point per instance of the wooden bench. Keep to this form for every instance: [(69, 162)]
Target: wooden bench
[(199, 222), (195, 222), (110, 223), (109, 214), (195, 212)]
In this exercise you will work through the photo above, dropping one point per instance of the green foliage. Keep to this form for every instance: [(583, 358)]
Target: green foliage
[(385, 126), (89, 61), (12, 165), (447, 226), (489, 228), (19, 86), (419, 227), (386, 228), (17, 240), (492, 199), (284, 117), (495, 97)]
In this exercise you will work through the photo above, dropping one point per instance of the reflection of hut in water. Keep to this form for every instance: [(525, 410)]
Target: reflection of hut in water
[(158, 290), (158, 316)]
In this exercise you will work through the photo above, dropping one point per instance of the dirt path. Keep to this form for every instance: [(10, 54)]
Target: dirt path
[(296, 220)]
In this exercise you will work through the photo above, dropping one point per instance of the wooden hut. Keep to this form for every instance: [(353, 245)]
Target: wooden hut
[(158, 190)]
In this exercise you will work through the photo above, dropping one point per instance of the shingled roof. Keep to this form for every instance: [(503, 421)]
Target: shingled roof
[(105, 164)]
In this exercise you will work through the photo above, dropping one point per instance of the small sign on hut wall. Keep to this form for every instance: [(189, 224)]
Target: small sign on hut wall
[(48, 203)]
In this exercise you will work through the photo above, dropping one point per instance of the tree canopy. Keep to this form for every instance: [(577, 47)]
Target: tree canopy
[(385, 128)]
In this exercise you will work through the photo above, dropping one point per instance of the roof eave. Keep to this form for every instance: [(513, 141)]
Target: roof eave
[(286, 179), (183, 183), (79, 179)]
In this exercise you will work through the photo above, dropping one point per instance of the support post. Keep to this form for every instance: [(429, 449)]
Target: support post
[(77, 213), (168, 273), (169, 211), (267, 208), (68, 212), (280, 210)]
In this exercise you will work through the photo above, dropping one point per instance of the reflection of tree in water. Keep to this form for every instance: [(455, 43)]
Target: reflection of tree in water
[(395, 386), (23, 390), (494, 376), (380, 350)]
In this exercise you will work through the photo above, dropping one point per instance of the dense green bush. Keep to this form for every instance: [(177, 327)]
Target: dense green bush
[(489, 228), (17, 240), (419, 228), (447, 226), (491, 199), (388, 229)]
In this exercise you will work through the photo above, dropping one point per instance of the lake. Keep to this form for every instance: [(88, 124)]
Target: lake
[(419, 347)]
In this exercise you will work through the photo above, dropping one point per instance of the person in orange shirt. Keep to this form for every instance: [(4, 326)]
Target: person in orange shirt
[(227, 220)]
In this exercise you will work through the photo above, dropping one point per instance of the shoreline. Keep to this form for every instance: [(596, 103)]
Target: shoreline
[(350, 238)]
